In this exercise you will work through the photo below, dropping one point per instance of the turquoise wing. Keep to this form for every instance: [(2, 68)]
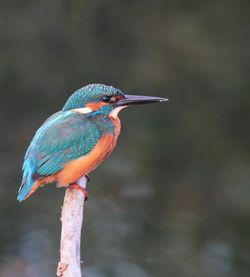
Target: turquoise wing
[(65, 136)]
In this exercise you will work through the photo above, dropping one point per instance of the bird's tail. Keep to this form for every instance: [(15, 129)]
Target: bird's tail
[(27, 181), (25, 188)]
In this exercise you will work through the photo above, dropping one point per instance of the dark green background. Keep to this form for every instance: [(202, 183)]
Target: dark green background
[(173, 198)]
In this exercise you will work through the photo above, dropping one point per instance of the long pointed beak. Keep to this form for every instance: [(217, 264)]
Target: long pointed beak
[(138, 100)]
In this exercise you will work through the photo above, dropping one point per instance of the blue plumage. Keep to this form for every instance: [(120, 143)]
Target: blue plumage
[(64, 137), (89, 93)]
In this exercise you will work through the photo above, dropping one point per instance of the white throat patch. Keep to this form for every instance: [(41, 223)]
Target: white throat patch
[(115, 111)]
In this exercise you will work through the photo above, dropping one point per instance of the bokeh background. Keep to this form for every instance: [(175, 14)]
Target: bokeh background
[(173, 199)]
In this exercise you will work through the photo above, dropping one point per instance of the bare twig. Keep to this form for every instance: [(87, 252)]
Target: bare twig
[(71, 218)]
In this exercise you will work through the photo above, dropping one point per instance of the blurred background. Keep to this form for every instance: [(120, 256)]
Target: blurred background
[(173, 198)]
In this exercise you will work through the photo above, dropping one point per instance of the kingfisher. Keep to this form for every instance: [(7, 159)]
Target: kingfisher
[(71, 143)]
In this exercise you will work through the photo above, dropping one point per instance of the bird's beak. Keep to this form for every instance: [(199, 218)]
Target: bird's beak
[(137, 100)]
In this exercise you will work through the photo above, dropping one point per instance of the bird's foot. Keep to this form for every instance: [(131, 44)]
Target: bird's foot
[(83, 190)]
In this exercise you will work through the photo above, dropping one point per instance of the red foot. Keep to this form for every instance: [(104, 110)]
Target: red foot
[(83, 190)]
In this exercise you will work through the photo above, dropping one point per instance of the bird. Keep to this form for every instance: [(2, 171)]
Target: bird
[(71, 143)]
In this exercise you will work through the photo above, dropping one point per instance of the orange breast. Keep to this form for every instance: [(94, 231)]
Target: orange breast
[(73, 170)]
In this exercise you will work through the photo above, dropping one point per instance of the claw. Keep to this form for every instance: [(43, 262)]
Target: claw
[(87, 177), (83, 190)]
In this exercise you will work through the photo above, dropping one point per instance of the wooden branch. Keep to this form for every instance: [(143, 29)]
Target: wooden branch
[(71, 218)]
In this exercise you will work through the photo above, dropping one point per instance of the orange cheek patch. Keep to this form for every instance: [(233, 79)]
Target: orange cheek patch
[(96, 105)]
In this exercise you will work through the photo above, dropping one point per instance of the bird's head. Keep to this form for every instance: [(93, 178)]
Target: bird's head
[(105, 98)]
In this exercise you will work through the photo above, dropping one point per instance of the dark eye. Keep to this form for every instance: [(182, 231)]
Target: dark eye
[(105, 98)]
